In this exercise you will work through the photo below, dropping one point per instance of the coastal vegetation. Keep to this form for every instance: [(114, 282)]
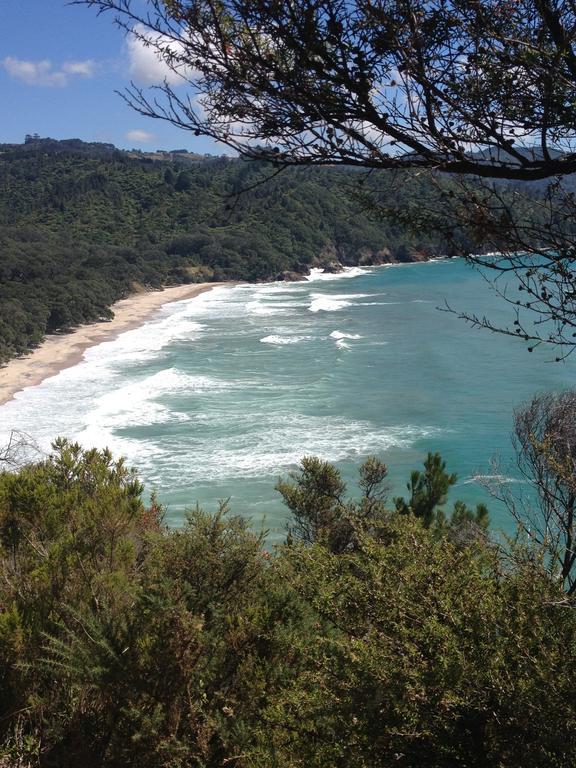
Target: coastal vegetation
[(371, 637), (382, 631)]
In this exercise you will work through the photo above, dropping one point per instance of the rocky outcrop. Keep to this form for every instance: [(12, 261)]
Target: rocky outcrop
[(333, 266), (290, 276)]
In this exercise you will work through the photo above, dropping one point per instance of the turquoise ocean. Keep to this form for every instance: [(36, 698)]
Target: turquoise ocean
[(218, 396)]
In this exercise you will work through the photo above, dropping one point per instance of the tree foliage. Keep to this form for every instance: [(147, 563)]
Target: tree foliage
[(428, 495), (320, 511), (452, 85), (414, 659)]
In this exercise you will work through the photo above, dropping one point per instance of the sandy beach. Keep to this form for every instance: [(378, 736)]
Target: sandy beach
[(62, 351)]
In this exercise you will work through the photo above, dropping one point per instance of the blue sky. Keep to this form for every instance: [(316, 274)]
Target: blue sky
[(60, 66)]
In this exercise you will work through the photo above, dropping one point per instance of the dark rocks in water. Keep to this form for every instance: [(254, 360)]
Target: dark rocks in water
[(333, 267), (420, 255), (368, 258), (289, 276)]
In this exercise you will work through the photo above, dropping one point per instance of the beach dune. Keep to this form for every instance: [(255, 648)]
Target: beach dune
[(61, 351)]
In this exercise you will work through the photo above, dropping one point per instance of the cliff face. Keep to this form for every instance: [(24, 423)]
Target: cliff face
[(333, 259)]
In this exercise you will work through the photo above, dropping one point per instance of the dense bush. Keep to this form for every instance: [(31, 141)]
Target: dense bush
[(125, 643)]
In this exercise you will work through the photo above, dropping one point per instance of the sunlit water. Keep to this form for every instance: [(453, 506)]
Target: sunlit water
[(219, 395)]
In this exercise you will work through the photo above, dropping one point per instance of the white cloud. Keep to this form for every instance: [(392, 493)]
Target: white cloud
[(43, 72), (34, 72), (82, 68), (146, 65), (140, 137)]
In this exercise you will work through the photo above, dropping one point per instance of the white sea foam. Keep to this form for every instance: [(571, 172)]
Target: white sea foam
[(62, 404), (342, 335), (144, 343), (323, 303), (270, 443), (320, 274), (381, 303), (280, 288), (332, 302), (228, 302), (257, 307), (284, 340), (392, 303), (496, 479), (136, 404)]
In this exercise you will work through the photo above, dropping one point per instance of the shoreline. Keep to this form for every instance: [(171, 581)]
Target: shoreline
[(60, 351)]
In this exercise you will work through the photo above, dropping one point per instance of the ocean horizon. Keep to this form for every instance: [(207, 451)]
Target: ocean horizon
[(219, 395)]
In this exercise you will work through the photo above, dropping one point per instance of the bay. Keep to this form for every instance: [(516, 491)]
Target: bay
[(219, 395)]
